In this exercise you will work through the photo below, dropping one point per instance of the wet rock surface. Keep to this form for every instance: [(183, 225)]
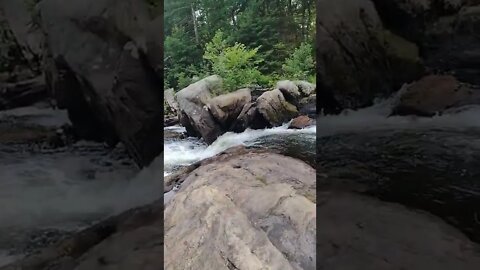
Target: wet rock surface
[(300, 122), (359, 232), (435, 94), (97, 69)]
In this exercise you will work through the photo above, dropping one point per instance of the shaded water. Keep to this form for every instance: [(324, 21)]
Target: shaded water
[(431, 164)]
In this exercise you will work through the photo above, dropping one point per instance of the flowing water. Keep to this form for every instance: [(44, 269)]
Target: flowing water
[(431, 164), (182, 152), (47, 193)]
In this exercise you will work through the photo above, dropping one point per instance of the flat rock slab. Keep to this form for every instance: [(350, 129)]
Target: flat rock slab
[(250, 211), (357, 232)]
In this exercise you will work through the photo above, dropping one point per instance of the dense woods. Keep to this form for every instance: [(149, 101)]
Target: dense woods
[(247, 42)]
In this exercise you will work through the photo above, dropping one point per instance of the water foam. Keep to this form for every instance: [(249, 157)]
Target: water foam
[(185, 152), (377, 118)]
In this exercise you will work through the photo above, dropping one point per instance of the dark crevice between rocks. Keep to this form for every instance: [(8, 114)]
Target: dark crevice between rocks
[(67, 91)]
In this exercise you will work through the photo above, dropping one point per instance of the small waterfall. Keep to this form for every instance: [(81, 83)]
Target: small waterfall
[(185, 152)]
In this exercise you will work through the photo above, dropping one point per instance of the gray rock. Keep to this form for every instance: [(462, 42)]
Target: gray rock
[(226, 108), (169, 96), (357, 59), (452, 44), (290, 91), (95, 70), (154, 45), (19, 18), (445, 31), (306, 88), (274, 108), (412, 19), (22, 93), (363, 233), (194, 113), (434, 94), (249, 117)]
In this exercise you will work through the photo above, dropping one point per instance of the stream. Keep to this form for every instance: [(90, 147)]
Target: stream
[(432, 164), (183, 152), (429, 164)]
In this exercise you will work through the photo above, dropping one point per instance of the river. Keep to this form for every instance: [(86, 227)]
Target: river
[(48, 193)]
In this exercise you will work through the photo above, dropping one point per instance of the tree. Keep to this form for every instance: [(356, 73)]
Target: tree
[(300, 65), (236, 64), (273, 28)]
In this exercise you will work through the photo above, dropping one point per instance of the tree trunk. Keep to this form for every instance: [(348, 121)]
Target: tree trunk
[(195, 27)]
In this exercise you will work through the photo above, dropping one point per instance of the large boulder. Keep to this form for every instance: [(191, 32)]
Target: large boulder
[(95, 67), (453, 45), (290, 91), (446, 32), (434, 94), (19, 17), (246, 211), (226, 108), (412, 19), (194, 113), (306, 88), (249, 117), (353, 63), (274, 108)]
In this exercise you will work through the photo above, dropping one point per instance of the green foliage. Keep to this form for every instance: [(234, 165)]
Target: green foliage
[(300, 65), (236, 64), (10, 53), (183, 58), (251, 31)]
